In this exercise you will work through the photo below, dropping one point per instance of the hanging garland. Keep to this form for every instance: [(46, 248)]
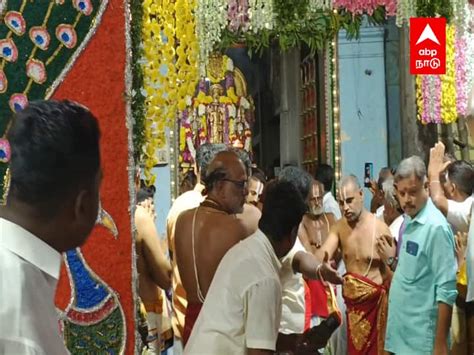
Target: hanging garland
[(187, 52), (452, 10), (461, 74), (138, 99), (442, 98), (406, 9), (448, 81), (366, 6), (170, 68), (211, 19), (289, 24)]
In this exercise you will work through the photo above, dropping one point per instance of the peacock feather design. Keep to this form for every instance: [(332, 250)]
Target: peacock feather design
[(94, 321), (39, 43)]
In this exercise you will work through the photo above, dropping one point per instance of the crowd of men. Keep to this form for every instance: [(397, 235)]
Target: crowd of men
[(334, 278), (255, 266)]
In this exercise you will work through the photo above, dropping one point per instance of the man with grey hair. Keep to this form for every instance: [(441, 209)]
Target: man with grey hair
[(367, 279), (424, 284), (190, 199), (393, 213), (204, 234), (394, 217)]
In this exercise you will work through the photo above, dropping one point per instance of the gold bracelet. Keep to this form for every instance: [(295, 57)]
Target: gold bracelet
[(435, 182)]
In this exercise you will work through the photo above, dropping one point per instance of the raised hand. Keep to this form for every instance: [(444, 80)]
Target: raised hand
[(437, 165), (327, 272)]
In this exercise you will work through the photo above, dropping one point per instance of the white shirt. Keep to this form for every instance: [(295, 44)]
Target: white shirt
[(330, 205), (293, 302), (379, 213), (395, 227), (243, 305), (29, 272), (459, 214)]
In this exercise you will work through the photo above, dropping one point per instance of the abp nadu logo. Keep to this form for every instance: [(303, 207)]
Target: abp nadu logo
[(428, 45)]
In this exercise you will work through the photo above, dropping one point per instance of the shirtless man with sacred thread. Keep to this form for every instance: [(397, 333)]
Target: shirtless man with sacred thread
[(366, 282)]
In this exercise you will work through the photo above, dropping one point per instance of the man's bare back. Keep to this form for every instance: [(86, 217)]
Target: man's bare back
[(215, 233)]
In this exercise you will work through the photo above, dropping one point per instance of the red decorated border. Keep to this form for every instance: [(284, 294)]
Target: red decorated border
[(97, 80)]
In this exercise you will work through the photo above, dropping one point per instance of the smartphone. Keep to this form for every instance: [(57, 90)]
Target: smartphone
[(368, 174)]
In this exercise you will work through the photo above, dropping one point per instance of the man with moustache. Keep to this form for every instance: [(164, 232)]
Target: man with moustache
[(424, 284), (367, 279), (204, 234)]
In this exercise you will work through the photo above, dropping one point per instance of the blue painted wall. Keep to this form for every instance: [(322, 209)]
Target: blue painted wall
[(392, 73), (363, 108)]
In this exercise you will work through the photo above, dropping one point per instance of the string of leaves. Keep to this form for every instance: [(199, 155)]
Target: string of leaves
[(137, 99), (296, 25)]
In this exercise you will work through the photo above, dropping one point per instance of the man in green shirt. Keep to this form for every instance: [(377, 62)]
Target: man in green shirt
[(423, 288)]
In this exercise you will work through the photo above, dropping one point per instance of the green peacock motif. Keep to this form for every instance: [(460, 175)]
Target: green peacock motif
[(39, 42)]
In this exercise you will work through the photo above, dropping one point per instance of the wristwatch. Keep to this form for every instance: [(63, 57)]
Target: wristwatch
[(391, 260)]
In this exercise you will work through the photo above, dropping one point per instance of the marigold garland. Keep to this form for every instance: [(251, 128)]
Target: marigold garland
[(449, 112), (187, 52), (170, 69)]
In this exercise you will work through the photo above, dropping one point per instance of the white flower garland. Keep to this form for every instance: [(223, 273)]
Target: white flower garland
[(405, 10), (261, 15), (211, 19), (460, 9), (469, 35), (315, 5)]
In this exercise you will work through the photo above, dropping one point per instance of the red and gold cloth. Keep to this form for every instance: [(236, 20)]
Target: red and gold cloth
[(366, 304)]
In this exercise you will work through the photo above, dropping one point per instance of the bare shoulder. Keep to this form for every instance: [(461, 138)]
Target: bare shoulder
[(249, 218), (182, 222), (143, 222), (339, 225), (230, 226), (250, 211), (185, 215), (141, 215), (331, 218), (381, 226)]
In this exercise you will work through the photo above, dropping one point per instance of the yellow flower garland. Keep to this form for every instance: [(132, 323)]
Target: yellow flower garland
[(170, 69), (449, 112), (419, 97)]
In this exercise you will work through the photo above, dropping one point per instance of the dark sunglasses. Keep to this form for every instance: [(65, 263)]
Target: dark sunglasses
[(242, 184)]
